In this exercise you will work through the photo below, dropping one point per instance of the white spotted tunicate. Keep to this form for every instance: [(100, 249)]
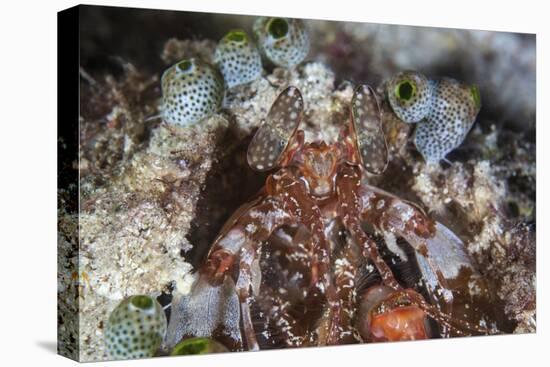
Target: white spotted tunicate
[(410, 95), (191, 91), (136, 328), (282, 41), (454, 109), (238, 58)]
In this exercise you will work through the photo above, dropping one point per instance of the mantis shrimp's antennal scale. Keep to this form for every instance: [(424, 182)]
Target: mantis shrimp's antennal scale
[(270, 141), (367, 125)]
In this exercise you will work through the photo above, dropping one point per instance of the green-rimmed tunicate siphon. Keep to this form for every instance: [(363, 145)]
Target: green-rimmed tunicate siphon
[(135, 328), (283, 41), (454, 109), (238, 59), (410, 96), (198, 346), (191, 90)]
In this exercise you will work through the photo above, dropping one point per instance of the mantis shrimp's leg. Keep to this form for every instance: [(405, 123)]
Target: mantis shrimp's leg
[(390, 214), (440, 254), (386, 312), (348, 183), (337, 327), (296, 201), (248, 269), (287, 326)]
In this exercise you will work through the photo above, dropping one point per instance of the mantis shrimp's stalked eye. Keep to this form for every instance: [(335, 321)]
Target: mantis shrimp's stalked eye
[(238, 59), (270, 141), (191, 91), (135, 328), (454, 109), (366, 118), (198, 346), (410, 96), (282, 41)]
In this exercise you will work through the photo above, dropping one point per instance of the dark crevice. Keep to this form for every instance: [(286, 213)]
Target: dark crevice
[(230, 183)]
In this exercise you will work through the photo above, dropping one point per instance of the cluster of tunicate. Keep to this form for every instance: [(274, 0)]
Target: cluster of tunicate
[(444, 111), (193, 89)]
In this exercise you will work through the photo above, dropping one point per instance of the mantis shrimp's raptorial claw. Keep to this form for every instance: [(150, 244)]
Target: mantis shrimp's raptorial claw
[(218, 301)]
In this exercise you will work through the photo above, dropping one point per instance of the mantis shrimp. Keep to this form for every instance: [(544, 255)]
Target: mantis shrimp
[(282, 251)]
